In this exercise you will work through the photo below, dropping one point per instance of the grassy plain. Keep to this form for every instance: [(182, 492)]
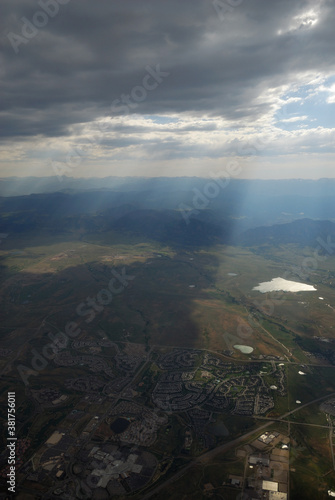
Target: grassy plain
[(310, 462), (180, 297)]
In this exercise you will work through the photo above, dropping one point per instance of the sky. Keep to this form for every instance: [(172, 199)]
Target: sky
[(167, 88)]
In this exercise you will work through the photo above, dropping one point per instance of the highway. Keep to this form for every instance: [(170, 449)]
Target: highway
[(209, 455)]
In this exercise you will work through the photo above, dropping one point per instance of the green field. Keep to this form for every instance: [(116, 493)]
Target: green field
[(310, 463), (178, 298)]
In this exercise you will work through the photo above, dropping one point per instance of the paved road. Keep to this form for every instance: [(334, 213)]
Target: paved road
[(209, 455), (206, 457), (331, 439)]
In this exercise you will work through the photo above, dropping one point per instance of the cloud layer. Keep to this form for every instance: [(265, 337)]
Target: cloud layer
[(143, 85)]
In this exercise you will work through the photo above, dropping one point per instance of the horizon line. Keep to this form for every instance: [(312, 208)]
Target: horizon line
[(65, 177)]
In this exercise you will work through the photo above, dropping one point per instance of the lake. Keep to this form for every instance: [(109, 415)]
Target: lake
[(280, 284), (244, 348)]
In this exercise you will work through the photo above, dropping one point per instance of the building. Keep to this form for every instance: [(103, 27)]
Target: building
[(277, 495), (269, 486), (259, 460), (267, 437)]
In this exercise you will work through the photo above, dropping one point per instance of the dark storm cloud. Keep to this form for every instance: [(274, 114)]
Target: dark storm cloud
[(91, 53), (140, 129)]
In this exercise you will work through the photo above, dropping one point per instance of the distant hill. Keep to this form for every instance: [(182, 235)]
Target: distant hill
[(247, 203), (168, 226), (96, 212), (303, 232), (244, 213)]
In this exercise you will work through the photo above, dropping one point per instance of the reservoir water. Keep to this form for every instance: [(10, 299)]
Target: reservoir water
[(246, 349), (280, 284)]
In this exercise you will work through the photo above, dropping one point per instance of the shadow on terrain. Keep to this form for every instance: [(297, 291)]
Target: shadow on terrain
[(154, 306)]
